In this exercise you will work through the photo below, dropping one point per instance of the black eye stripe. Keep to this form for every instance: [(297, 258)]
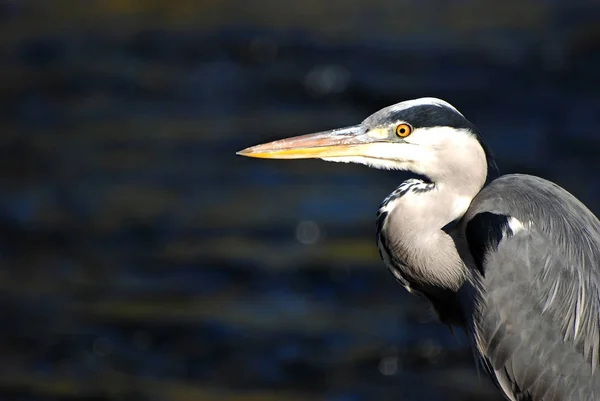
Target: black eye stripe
[(422, 116), (433, 116)]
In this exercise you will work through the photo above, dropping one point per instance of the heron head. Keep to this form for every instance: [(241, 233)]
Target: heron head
[(426, 136)]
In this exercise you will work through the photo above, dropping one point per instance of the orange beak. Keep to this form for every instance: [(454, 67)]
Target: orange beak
[(343, 142)]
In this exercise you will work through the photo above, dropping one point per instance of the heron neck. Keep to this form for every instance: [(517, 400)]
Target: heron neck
[(421, 205), (411, 231)]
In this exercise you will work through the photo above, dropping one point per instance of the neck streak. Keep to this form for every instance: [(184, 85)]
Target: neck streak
[(410, 236)]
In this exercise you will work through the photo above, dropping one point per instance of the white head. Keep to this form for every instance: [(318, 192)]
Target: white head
[(427, 136)]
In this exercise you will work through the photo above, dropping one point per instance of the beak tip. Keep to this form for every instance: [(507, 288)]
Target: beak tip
[(254, 152)]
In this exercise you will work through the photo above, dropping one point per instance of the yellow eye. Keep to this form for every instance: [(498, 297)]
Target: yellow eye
[(403, 130)]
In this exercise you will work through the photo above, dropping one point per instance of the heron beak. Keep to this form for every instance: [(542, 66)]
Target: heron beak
[(343, 142)]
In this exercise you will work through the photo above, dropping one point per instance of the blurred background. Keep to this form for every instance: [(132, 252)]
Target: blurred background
[(140, 259)]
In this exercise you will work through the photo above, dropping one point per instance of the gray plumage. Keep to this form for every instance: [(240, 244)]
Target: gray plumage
[(537, 304), (514, 260)]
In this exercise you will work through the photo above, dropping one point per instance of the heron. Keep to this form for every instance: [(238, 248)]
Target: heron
[(513, 260)]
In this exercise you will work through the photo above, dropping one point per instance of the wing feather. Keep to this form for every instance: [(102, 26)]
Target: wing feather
[(535, 304)]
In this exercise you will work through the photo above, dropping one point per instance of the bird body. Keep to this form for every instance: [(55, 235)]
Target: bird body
[(534, 311), (514, 260)]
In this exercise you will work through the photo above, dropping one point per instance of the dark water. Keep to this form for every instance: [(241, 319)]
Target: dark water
[(142, 260)]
